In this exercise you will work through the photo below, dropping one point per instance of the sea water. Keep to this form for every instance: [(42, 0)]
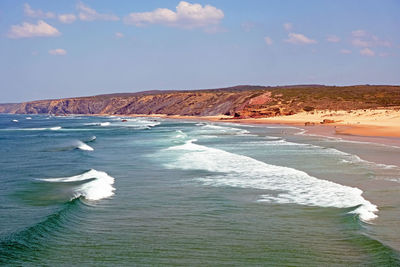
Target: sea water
[(150, 191)]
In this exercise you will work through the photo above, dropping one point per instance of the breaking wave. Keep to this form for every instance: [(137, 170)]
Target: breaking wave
[(54, 128), (98, 184), (82, 146), (103, 124), (288, 185), (343, 157), (216, 129)]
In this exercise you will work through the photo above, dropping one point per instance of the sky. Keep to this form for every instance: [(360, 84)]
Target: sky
[(66, 48)]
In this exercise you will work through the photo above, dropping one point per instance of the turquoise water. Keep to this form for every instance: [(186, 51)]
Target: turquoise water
[(150, 191)]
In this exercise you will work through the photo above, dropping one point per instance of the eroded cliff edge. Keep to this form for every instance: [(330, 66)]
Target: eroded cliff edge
[(239, 101)]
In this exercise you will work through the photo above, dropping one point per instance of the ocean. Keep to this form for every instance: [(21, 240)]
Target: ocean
[(101, 191)]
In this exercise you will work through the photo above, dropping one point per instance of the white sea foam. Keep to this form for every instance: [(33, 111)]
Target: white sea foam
[(115, 118), (354, 159), (56, 128), (28, 118), (289, 185), (15, 120), (397, 180), (341, 140), (272, 137), (99, 185), (137, 123), (91, 139), (343, 157), (140, 123), (180, 134), (103, 124), (224, 129), (82, 146)]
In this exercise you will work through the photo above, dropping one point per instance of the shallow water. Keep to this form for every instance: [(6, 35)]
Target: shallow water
[(149, 191)]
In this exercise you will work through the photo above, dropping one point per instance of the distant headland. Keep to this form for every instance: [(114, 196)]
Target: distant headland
[(358, 106)]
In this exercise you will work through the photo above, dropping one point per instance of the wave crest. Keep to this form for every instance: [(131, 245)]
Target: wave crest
[(288, 185), (99, 184)]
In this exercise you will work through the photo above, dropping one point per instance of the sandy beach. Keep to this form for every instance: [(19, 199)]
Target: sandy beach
[(378, 125), (373, 125)]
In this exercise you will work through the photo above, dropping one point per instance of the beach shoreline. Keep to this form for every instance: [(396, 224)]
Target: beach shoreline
[(381, 126)]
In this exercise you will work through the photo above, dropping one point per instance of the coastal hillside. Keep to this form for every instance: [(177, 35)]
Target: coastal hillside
[(238, 102)]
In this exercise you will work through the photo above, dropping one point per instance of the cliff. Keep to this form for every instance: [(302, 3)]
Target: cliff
[(239, 101)]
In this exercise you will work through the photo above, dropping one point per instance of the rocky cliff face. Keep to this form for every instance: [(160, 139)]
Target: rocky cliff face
[(239, 102), (201, 103)]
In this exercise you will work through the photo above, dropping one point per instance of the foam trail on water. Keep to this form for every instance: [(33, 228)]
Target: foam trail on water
[(99, 184), (224, 129), (137, 123), (289, 185), (55, 128), (141, 123), (345, 158)]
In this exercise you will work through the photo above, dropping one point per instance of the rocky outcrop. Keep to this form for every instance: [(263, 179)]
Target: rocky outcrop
[(194, 103), (238, 102)]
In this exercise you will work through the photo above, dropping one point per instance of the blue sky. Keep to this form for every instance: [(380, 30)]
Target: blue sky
[(53, 49)]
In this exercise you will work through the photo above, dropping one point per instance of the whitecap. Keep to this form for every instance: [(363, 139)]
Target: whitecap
[(82, 146), (99, 184), (103, 124), (289, 185), (343, 157), (180, 134), (91, 139), (140, 123), (212, 128)]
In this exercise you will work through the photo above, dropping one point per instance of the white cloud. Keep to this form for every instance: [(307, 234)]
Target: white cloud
[(345, 51), (288, 26), (66, 18), (37, 13), (57, 52), (358, 33), (268, 40), (88, 14), (119, 35), (333, 39), (360, 43), (379, 42), (367, 52), (28, 30), (298, 38), (362, 38), (187, 15)]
